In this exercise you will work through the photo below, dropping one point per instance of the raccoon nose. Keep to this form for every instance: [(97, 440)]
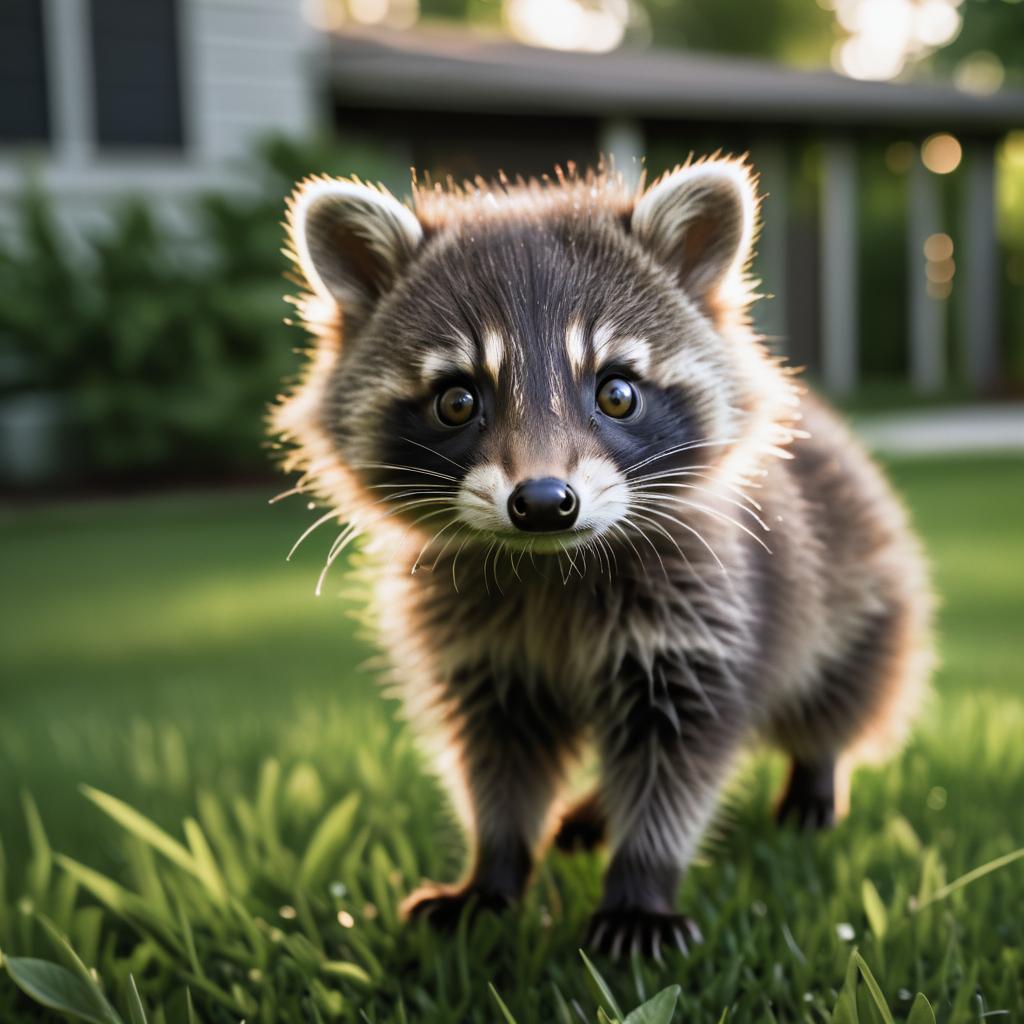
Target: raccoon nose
[(540, 506)]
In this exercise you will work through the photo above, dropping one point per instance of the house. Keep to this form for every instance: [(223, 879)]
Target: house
[(104, 98), (109, 97)]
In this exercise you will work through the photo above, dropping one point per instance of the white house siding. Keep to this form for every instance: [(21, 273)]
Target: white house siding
[(248, 69)]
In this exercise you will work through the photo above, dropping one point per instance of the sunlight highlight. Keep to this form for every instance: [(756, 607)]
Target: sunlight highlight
[(594, 26), (883, 36)]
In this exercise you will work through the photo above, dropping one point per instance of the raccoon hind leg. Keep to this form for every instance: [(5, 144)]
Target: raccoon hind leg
[(859, 708)]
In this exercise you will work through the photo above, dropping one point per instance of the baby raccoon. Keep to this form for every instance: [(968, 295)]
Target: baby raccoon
[(599, 514)]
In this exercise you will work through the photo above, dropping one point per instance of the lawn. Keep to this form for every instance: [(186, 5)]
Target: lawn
[(161, 651)]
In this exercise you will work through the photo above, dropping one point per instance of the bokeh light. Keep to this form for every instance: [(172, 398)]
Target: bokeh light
[(938, 247), (981, 72), (941, 153), (884, 35), (331, 15), (595, 26)]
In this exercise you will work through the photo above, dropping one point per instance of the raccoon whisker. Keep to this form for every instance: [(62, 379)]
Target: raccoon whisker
[(725, 518), (649, 490), (572, 561), (332, 514), (286, 494), (434, 451), (678, 449), (424, 486), (512, 562), (664, 533), (610, 556), (673, 473), (447, 544), (455, 561), (643, 533), (688, 470), (450, 508), (690, 529), (407, 469), (487, 555), (619, 529)]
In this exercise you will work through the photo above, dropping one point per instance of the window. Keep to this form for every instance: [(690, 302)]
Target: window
[(137, 99), (24, 116)]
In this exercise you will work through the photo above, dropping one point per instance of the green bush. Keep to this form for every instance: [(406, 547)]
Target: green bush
[(163, 349)]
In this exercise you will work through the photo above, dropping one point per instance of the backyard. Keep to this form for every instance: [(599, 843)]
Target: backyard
[(159, 649)]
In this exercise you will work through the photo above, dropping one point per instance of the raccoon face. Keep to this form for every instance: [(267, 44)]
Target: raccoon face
[(531, 362)]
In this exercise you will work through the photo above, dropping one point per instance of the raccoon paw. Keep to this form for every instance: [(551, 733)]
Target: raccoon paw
[(620, 933), (582, 828), (809, 801), (442, 906)]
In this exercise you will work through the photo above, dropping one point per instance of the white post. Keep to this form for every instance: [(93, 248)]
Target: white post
[(839, 267), (979, 305), (769, 159), (69, 78), (621, 140), (926, 313)]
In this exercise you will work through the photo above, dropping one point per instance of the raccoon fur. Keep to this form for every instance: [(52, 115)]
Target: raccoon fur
[(600, 516)]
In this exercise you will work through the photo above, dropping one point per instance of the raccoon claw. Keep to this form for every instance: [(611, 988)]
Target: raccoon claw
[(443, 906), (644, 933)]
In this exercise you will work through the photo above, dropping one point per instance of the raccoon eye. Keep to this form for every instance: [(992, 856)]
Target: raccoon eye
[(455, 406), (617, 398)]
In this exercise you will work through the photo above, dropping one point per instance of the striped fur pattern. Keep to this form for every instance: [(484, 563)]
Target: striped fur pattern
[(738, 568)]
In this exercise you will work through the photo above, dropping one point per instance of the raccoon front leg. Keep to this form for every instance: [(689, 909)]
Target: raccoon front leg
[(510, 744), (667, 737)]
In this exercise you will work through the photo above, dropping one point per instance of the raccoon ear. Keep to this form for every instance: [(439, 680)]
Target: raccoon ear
[(351, 240), (699, 222)]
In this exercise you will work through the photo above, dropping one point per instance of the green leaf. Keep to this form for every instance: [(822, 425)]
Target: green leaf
[(136, 1011), (505, 1011), (602, 986), (85, 976), (327, 839), (56, 987), (657, 1010), (921, 1012), (874, 908), (874, 989)]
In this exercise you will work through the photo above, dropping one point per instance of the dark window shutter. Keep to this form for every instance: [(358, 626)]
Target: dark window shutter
[(24, 116), (135, 71)]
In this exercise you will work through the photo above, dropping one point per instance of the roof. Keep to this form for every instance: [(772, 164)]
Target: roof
[(459, 71)]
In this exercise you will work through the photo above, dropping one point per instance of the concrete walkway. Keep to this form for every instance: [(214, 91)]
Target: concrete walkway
[(968, 428)]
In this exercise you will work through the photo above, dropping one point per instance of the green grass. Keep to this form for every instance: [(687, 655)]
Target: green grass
[(160, 650)]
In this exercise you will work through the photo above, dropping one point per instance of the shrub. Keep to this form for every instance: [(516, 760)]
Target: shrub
[(162, 348)]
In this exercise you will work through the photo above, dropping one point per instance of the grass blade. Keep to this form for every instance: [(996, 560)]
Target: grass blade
[(602, 985), (874, 909), (505, 1012), (873, 987), (970, 876), (659, 1009), (139, 825), (136, 1011), (326, 840), (921, 1012)]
